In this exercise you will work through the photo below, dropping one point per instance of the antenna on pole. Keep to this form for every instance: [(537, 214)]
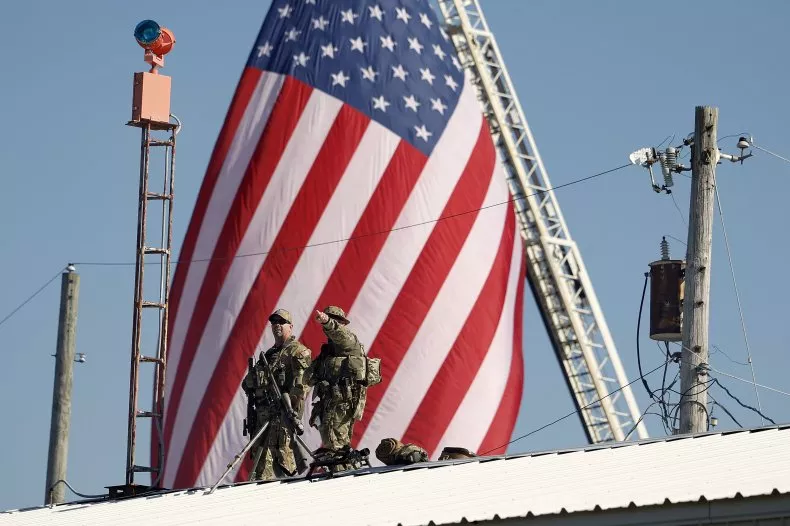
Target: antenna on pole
[(151, 113)]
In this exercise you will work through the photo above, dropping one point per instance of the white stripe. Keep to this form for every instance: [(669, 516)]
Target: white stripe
[(443, 322), (426, 202), (476, 413), (249, 131), (315, 267), (296, 161)]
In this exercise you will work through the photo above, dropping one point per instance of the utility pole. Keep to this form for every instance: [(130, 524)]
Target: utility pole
[(696, 307), (61, 392)]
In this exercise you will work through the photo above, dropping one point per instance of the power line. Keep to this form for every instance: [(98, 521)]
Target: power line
[(682, 217), (717, 404), (749, 382), (371, 234), (785, 159), (737, 295), (36, 293), (573, 412), (717, 382), (676, 239)]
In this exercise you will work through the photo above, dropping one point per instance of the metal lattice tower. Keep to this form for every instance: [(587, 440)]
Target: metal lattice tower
[(161, 257), (555, 269)]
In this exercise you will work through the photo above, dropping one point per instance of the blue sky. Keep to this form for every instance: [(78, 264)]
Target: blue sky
[(596, 80)]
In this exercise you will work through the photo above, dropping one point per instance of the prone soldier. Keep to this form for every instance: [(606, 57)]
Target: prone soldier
[(285, 363), (392, 452), (340, 374)]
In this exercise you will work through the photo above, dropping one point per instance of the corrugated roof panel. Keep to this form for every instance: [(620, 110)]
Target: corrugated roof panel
[(713, 466)]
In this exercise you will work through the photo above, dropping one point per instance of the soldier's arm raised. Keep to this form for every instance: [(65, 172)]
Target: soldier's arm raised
[(341, 336)]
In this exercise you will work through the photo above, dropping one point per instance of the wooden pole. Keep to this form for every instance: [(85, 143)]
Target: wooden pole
[(61, 392), (696, 307)]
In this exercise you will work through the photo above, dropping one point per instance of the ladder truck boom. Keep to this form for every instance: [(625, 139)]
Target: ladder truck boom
[(555, 270)]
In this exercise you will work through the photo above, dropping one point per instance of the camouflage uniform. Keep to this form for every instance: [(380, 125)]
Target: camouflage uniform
[(393, 452), (288, 364), (455, 453), (339, 375)]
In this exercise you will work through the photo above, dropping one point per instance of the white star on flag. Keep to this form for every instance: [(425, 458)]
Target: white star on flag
[(265, 50), (380, 104), (399, 73), (438, 51), (293, 34), (320, 23), (425, 20), (450, 82), (348, 16), (376, 12), (427, 76), (301, 59), (388, 43), (436, 104), (422, 132), (357, 44), (402, 14), (415, 45), (340, 78), (411, 102), (328, 50), (368, 73), (285, 11)]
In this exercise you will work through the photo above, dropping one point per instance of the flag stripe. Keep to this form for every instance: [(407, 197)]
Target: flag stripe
[(501, 430), (475, 417), (231, 163), (337, 148), (360, 253), (239, 106), (226, 232), (430, 270), (449, 385), (270, 210)]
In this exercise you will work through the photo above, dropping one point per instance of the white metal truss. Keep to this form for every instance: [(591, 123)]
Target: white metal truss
[(556, 273)]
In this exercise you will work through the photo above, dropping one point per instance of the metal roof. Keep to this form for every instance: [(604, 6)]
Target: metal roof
[(710, 467)]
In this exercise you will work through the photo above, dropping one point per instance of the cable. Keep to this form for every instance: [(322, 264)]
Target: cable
[(682, 217), (571, 413), (716, 348), (62, 481), (676, 239), (36, 293), (749, 382), (640, 419), (638, 352), (371, 234), (737, 295), (717, 382), (770, 152)]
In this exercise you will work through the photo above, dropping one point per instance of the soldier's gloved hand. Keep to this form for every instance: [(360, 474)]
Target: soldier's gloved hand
[(297, 422), (321, 317)]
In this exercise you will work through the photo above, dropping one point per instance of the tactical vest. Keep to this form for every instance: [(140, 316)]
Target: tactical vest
[(336, 368)]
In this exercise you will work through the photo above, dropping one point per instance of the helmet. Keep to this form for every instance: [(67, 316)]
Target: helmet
[(337, 314), (455, 453), (282, 315)]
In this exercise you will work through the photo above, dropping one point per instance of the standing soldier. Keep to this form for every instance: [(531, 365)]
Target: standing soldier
[(273, 456), (341, 375)]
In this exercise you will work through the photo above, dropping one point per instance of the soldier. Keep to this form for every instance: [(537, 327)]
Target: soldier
[(393, 452), (341, 375), (455, 453), (288, 360)]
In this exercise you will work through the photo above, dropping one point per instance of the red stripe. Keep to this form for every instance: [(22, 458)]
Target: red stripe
[(501, 429), (244, 91), (430, 270), (284, 118), (359, 254), (467, 353), (303, 216)]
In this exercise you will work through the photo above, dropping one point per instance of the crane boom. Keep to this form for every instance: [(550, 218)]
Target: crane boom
[(555, 270)]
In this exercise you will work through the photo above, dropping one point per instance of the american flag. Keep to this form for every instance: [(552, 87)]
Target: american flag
[(354, 168)]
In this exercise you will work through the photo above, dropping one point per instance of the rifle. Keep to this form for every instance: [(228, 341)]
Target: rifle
[(288, 413), (251, 422)]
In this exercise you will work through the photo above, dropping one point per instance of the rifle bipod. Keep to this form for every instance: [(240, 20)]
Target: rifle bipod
[(329, 461)]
